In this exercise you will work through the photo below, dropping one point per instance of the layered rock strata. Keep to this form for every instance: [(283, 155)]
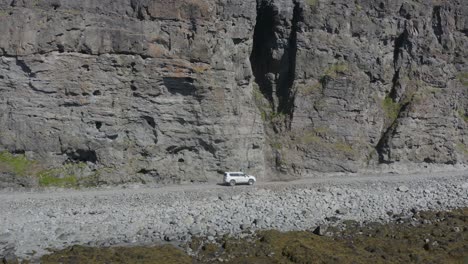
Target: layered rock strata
[(177, 91)]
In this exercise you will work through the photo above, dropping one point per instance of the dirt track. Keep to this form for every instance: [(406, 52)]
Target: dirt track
[(138, 188)]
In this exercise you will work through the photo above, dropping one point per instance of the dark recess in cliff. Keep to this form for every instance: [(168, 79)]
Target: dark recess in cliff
[(437, 23), (401, 44), (81, 155), (285, 93), (263, 42), (275, 77)]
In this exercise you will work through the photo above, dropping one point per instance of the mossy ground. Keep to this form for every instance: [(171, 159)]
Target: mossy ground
[(427, 237), (155, 255), (70, 175), (17, 164)]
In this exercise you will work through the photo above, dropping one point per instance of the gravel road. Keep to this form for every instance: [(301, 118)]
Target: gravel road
[(31, 222)]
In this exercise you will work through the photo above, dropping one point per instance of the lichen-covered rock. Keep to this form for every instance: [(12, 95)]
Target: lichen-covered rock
[(177, 91)]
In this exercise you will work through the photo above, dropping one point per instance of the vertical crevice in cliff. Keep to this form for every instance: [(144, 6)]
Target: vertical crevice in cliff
[(285, 92), (273, 56), (402, 43), (383, 146), (263, 41), (437, 23), (392, 103)]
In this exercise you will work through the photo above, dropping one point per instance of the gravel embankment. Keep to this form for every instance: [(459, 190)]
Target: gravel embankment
[(32, 222)]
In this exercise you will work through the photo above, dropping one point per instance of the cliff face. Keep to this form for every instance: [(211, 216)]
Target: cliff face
[(167, 91)]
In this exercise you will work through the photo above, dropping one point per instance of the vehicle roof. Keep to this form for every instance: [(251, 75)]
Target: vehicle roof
[(233, 172)]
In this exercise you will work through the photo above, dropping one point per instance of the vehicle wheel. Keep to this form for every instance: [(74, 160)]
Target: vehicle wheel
[(232, 182), (251, 182)]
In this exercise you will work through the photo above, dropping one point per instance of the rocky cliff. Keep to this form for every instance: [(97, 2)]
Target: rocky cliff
[(176, 91)]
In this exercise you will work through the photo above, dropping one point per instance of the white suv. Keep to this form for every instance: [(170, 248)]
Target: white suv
[(233, 178)]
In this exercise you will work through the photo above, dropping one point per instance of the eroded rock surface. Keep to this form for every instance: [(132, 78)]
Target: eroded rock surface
[(151, 90), (174, 91)]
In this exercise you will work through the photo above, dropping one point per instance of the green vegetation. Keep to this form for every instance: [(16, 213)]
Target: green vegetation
[(3, 13), (71, 175), (333, 70), (67, 176), (260, 101), (276, 145), (312, 2), (462, 148), (307, 90), (19, 165), (47, 180), (358, 7), (343, 147), (265, 108), (463, 78), (61, 177), (316, 137), (391, 108), (276, 117), (438, 237), (374, 243), (310, 138), (463, 115), (372, 154), (321, 130), (166, 254), (200, 68), (320, 104)]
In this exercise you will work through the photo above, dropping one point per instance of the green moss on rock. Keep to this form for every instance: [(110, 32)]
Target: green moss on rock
[(391, 108), (19, 165), (155, 255), (312, 2), (463, 115), (463, 78), (70, 175), (48, 180)]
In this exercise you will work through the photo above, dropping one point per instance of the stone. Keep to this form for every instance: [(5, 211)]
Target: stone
[(223, 197), (169, 238), (188, 221), (245, 226), (342, 211), (195, 229), (145, 215), (320, 230), (403, 188)]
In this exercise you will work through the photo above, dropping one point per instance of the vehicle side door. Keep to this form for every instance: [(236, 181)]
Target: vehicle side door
[(244, 178)]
